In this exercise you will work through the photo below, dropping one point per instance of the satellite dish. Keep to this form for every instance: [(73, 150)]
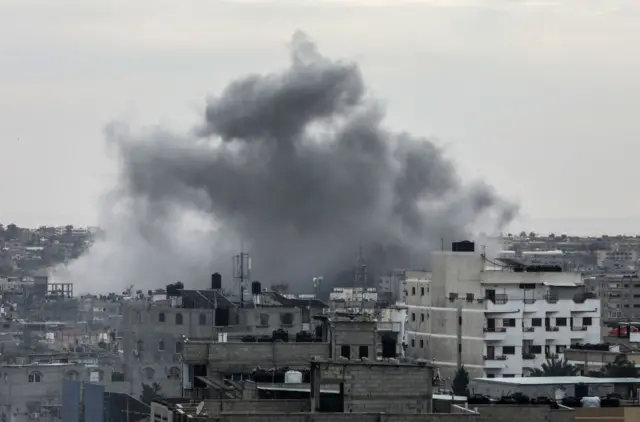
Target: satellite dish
[(200, 408)]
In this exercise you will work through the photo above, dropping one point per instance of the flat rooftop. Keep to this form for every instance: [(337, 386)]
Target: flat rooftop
[(557, 380)]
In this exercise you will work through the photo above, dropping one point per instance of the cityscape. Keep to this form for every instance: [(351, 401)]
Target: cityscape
[(319, 211), (475, 334)]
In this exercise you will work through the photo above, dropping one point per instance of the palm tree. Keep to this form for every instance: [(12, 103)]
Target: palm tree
[(555, 367)]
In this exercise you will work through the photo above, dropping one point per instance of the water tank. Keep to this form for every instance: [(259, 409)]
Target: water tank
[(216, 281), (293, 377), (464, 246), (256, 288)]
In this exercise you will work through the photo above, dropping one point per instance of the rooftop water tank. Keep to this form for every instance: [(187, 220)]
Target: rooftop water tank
[(293, 377)]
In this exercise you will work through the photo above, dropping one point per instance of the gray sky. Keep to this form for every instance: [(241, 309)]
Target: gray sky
[(535, 97)]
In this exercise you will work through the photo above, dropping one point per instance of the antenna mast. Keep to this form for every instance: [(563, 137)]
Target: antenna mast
[(241, 272), (360, 278)]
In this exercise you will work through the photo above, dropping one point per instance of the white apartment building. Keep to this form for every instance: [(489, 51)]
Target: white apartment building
[(510, 321)]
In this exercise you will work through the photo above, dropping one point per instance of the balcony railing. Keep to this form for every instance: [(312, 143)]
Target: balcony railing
[(551, 298), (528, 356), (501, 357), (581, 328), (529, 301), (528, 329), (582, 297), (552, 329), (495, 330), (550, 356)]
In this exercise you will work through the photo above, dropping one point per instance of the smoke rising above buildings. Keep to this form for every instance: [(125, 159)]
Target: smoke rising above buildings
[(297, 166)]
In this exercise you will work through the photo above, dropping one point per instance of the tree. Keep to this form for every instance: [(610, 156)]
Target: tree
[(12, 231), (552, 236), (523, 234), (532, 235), (150, 392), (620, 368), (460, 382), (555, 367)]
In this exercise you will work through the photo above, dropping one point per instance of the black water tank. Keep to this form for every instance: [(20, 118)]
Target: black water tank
[(463, 246), (256, 288), (216, 281)]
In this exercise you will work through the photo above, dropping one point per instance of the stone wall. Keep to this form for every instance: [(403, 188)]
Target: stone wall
[(217, 407)]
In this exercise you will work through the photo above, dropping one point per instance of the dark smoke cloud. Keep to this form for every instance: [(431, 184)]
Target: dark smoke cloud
[(298, 165)]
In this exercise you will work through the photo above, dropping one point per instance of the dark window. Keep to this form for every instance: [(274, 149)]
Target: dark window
[(264, 320), (178, 319), (286, 318), (345, 351), (178, 347), (140, 346), (161, 317), (536, 350), (560, 348), (421, 344), (561, 322), (536, 322), (636, 295), (413, 291), (202, 319), (588, 321), (509, 322), (413, 343), (422, 317), (491, 375), (413, 316), (508, 350), (364, 351), (161, 346), (421, 291), (508, 375)]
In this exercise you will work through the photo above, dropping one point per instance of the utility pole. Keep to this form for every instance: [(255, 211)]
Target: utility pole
[(360, 279), (459, 332)]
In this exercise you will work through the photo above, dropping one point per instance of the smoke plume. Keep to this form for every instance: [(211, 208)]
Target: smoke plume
[(296, 166)]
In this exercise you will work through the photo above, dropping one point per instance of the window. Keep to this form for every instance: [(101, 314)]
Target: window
[(363, 351), (413, 291), (413, 316), (345, 351), (161, 345), (508, 375), (561, 322), (149, 373), (72, 375), (421, 344), (536, 322), (161, 317), (286, 318), (560, 348), (140, 346), (588, 321), (413, 342), (178, 347), (536, 349), (491, 375), (202, 319), (264, 320), (508, 350), (35, 377), (178, 319), (422, 317), (509, 322), (421, 291)]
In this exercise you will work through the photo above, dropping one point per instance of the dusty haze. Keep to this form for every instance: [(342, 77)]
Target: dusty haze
[(295, 165)]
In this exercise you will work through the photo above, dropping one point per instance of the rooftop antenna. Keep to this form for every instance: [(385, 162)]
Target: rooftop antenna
[(360, 278), (241, 271)]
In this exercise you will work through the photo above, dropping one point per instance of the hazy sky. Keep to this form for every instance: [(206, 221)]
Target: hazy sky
[(539, 98)]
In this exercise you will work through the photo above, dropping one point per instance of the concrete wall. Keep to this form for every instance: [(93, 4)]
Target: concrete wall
[(378, 387), (217, 407), (244, 357), (354, 334)]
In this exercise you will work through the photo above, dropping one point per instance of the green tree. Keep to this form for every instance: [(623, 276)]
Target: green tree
[(461, 382), (620, 368), (12, 231), (555, 367), (150, 392)]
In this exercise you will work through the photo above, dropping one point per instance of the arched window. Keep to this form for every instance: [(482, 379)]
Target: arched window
[(178, 347), (149, 373), (161, 317), (35, 377), (178, 319), (72, 375), (174, 373), (202, 319), (161, 345)]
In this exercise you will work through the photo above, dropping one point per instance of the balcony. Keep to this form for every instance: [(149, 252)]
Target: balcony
[(580, 328), (552, 298), (528, 356), (500, 357), (495, 333), (551, 329), (529, 301)]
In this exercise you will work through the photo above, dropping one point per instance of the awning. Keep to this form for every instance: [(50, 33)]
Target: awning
[(559, 284)]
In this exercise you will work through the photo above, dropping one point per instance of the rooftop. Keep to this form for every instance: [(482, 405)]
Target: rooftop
[(558, 380)]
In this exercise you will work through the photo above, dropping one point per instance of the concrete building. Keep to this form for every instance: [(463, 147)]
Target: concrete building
[(154, 333), (621, 292), (498, 323), (617, 257)]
